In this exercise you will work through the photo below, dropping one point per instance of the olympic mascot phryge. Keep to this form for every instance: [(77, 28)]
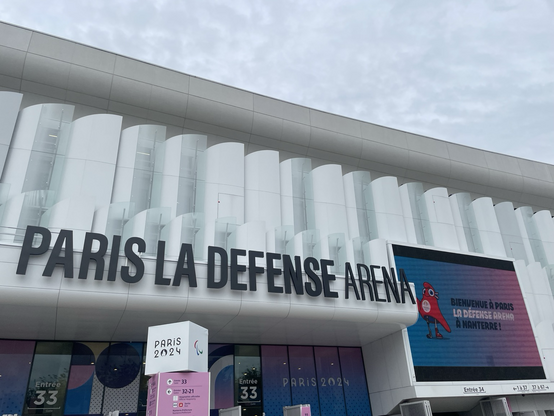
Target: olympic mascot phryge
[(429, 310)]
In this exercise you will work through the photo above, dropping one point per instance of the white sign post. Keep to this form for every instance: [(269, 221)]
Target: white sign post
[(178, 347), (231, 411), (298, 410)]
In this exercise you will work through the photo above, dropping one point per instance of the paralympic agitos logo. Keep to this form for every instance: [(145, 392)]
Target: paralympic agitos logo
[(310, 277), (197, 348)]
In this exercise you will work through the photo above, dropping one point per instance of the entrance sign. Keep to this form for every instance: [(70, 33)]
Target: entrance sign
[(179, 394), (182, 346)]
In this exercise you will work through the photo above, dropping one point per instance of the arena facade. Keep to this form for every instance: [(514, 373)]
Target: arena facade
[(313, 247)]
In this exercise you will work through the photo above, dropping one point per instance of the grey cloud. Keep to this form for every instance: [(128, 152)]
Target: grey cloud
[(476, 73)]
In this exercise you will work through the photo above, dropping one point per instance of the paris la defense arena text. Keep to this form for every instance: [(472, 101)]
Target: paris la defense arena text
[(334, 262), (229, 267)]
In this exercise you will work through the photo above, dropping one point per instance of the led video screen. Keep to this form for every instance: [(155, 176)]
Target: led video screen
[(473, 324)]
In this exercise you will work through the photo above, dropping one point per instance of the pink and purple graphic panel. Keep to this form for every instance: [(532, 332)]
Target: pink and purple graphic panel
[(183, 394), (354, 382), (220, 365), (329, 381), (275, 379), (15, 364), (303, 378)]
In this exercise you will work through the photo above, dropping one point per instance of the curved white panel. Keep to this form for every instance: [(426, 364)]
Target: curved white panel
[(537, 292), (280, 240), (411, 224), (186, 228), (36, 152), (305, 244), (134, 172), (527, 230), (378, 252), (9, 108), (388, 213), (460, 205), (510, 231), (148, 225), (262, 188), (22, 210), (329, 202), (296, 194), (11, 212), (545, 234), (179, 174), (252, 236), (415, 209), (100, 220), (224, 192), (542, 296), (487, 226), (111, 220), (328, 214), (545, 334), (441, 220), (71, 214), (89, 167), (26, 127), (356, 186)]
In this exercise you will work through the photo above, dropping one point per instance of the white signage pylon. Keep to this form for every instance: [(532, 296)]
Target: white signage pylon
[(182, 346)]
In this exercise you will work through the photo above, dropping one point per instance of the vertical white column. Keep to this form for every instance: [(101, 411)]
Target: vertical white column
[(224, 193), (262, 188), (134, 172), (251, 236), (330, 213), (388, 214), (408, 214), (415, 211), (180, 174), (262, 207), (356, 186), (76, 213), (510, 231), (487, 227), (179, 184), (460, 205), (148, 225), (441, 221), (39, 140), (296, 194), (524, 222), (32, 169), (544, 227), (186, 228), (9, 109), (89, 167)]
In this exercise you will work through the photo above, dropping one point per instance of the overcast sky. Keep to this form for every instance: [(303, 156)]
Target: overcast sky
[(479, 73)]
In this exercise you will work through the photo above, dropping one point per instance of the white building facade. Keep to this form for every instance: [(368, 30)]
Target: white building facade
[(312, 246)]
